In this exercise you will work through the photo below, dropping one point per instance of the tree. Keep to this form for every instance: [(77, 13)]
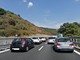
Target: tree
[(2, 11), (69, 29)]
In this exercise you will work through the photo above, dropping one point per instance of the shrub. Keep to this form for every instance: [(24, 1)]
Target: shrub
[(2, 11)]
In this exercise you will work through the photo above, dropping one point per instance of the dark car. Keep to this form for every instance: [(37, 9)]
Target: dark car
[(22, 44)]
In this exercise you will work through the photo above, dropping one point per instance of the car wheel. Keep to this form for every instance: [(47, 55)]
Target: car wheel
[(72, 51), (12, 50)]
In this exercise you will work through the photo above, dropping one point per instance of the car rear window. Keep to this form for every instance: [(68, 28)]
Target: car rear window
[(64, 40), (34, 38), (28, 39), (41, 37), (19, 39), (51, 38)]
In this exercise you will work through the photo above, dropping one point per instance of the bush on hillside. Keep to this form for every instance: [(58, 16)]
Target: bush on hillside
[(2, 11)]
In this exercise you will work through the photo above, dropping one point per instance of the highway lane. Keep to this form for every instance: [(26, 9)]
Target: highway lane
[(40, 52)]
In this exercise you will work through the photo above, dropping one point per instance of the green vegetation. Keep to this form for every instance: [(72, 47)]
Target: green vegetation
[(12, 24), (52, 31), (2, 11), (70, 29)]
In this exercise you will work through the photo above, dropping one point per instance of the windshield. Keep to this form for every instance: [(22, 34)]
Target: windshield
[(51, 38), (41, 37), (19, 39), (64, 40), (34, 38)]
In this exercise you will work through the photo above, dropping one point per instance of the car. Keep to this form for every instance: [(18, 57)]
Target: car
[(36, 40), (63, 44), (43, 39), (51, 40), (22, 44)]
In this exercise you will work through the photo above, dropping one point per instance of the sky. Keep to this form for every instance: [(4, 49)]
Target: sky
[(45, 13)]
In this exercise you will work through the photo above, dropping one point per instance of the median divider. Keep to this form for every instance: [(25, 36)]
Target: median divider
[(5, 43), (77, 45), (4, 47)]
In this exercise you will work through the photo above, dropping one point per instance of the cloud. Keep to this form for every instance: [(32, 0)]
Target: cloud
[(77, 0), (30, 4), (24, 0)]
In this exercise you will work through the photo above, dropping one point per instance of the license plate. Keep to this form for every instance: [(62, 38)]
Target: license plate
[(15, 48), (65, 45)]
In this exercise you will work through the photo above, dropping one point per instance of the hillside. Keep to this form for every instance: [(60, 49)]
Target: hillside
[(12, 24), (50, 30)]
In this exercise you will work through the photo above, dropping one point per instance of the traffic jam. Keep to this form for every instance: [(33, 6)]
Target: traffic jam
[(59, 43)]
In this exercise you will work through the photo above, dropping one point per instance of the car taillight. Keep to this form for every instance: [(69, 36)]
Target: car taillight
[(23, 43), (57, 44), (71, 44)]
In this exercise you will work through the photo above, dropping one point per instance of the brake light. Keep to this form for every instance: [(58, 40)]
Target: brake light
[(72, 44), (23, 43), (57, 44)]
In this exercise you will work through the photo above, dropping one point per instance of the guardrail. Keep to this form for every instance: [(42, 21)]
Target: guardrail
[(5, 43), (77, 43)]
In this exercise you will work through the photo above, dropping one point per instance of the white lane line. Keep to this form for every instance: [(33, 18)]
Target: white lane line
[(40, 48), (77, 52), (4, 51)]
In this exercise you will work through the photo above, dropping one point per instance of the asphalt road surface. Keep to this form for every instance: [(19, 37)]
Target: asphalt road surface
[(40, 52)]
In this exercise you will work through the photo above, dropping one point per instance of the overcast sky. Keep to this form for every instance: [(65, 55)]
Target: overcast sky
[(45, 13)]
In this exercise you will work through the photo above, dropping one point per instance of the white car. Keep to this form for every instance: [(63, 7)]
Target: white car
[(51, 40), (36, 40), (43, 39)]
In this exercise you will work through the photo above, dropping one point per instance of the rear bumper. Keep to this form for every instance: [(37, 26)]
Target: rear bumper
[(17, 48), (64, 49)]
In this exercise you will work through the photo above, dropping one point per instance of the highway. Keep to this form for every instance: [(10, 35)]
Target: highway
[(43, 51)]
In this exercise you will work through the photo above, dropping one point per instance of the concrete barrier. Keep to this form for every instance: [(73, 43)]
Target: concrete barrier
[(5, 43)]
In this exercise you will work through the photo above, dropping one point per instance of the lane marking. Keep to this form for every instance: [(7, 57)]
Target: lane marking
[(4, 51), (77, 52), (40, 48)]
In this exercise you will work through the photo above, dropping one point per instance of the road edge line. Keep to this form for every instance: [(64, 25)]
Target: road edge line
[(77, 52), (4, 51)]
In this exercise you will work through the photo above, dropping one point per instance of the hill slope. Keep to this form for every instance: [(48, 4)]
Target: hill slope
[(50, 30), (12, 24)]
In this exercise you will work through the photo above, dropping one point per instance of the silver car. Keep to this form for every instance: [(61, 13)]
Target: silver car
[(64, 44), (51, 40)]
